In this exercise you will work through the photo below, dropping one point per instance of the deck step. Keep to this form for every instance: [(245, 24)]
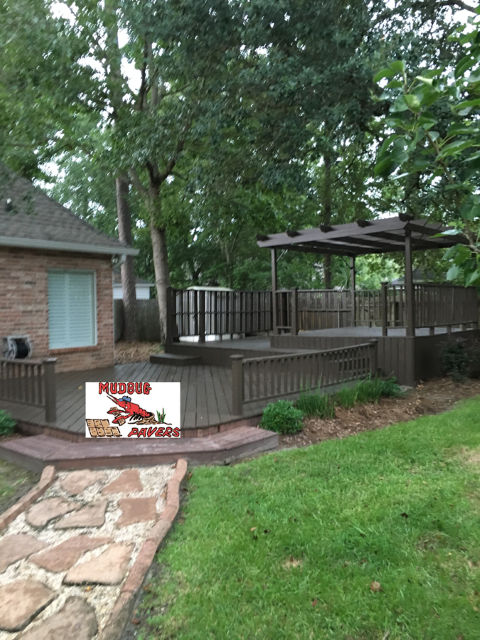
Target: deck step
[(174, 358), (35, 452)]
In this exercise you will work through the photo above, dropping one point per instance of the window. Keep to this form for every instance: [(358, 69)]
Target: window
[(71, 309)]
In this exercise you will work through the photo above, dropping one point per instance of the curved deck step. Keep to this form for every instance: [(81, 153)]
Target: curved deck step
[(35, 452)]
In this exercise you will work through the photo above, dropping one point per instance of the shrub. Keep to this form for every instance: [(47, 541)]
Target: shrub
[(282, 417), (7, 423), (369, 390), (455, 361), (316, 404), (346, 397)]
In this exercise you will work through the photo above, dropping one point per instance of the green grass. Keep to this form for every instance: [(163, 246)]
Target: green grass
[(287, 545), (14, 482)]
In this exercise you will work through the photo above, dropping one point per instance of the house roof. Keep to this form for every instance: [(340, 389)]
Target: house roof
[(31, 219), (362, 237)]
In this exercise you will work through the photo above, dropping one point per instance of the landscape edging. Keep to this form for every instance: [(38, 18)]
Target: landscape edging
[(46, 479), (123, 605)]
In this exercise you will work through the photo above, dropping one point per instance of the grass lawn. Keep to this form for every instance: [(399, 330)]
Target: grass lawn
[(14, 483), (373, 537)]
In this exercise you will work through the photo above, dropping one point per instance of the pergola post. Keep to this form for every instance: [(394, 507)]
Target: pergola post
[(274, 291), (352, 287), (409, 292)]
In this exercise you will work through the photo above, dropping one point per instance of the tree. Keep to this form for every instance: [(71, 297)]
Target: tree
[(434, 141)]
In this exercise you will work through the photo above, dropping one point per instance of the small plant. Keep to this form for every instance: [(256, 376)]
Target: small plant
[(316, 404), (7, 423), (369, 390), (282, 417), (455, 361), (346, 397)]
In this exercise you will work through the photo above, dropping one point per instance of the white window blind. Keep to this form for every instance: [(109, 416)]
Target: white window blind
[(71, 309)]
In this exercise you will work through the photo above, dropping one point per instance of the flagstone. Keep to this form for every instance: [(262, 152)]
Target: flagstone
[(136, 510), (127, 482), (20, 601), (42, 512), (107, 568), (90, 516), (76, 481), (76, 620), (65, 555), (18, 546)]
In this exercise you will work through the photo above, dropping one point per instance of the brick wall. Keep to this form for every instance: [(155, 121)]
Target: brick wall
[(24, 303)]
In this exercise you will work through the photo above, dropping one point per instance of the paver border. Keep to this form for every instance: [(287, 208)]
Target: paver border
[(122, 608), (46, 480)]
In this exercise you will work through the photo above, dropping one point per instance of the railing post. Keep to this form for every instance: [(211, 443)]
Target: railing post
[(50, 389), (374, 357), (294, 328), (171, 313), (201, 316), (384, 299), (237, 384)]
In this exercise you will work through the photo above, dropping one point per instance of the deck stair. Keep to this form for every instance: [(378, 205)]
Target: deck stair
[(35, 452)]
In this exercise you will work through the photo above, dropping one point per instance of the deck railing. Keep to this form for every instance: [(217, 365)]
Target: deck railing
[(201, 313), (30, 382), (265, 378)]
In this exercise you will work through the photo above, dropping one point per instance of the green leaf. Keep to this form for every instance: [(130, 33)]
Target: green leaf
[(425, 80), (454, 272), (398, 66), (466, 106), (473, 279), (413, 101)]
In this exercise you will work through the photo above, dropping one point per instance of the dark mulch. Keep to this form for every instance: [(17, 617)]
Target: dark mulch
[(434, 396)]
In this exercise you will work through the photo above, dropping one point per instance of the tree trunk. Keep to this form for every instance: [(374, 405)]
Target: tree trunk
[(160, 259), (327, 214), (127, 267)]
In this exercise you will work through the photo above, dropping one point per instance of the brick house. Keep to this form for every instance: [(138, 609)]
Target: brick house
[(55, 278)]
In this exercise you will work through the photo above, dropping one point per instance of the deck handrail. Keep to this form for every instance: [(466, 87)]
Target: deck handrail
[(201, 313), (31, 382), (268, 377)]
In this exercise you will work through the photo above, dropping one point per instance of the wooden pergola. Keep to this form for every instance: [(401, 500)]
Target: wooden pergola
[(399, 234)]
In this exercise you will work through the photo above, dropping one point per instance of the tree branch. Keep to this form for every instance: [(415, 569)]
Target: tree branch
[(135, 179)]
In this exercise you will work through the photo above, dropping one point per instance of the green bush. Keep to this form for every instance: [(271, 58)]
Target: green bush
[(282, 417), (316, 404), (7, 423), (346, 397), (455, 361)]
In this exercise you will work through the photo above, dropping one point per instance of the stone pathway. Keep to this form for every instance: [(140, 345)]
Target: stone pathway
[(64, 560)]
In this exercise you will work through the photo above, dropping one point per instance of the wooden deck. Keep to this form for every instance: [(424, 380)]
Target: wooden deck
[(206, 396)]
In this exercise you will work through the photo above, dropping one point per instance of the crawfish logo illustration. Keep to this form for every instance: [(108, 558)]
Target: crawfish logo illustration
[(134, 413)]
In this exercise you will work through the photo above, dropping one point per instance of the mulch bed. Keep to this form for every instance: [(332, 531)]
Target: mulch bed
[(135, 351), (434, 396)]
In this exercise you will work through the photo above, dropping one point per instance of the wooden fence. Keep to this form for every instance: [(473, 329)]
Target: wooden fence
[(268, 377), (30, 382), (147, 317)]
